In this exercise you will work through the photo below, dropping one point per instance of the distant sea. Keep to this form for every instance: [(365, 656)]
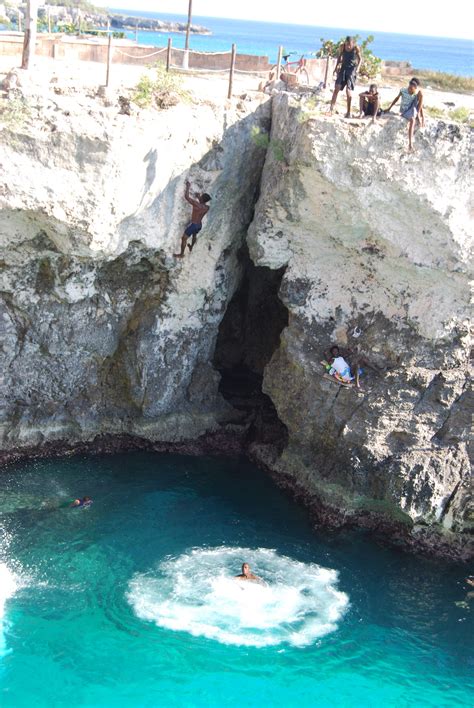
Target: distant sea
[(455, 56)]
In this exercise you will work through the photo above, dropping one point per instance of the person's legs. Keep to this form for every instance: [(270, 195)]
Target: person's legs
[(411, 129), (193, 243), (184, 239), (363, 362), (337, 88), (349, 101), (361, 105)]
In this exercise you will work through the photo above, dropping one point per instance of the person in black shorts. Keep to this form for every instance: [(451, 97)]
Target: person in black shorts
[(369, 103), (200, 210), (347, 66)]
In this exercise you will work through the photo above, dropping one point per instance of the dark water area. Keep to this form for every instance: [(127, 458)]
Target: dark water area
[(132, 602)]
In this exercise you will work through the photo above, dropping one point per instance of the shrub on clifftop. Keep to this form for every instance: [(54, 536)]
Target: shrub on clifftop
[(163, 89), (370, 66)]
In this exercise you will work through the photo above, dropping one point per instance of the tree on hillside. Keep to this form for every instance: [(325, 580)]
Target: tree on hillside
[(29, 41)]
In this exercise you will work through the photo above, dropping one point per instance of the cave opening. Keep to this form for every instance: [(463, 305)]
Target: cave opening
[(248, 335)]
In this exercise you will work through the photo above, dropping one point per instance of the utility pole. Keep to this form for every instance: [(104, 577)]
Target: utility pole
[(188, 27), (29, 40)]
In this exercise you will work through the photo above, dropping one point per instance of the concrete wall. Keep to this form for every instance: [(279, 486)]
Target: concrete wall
[(397, 68), (63, 47), (317, 70)]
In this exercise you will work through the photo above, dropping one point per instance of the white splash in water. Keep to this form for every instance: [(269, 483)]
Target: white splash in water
[(8, 586), (197, 593)]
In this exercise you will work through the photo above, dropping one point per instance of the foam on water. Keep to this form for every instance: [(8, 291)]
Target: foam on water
[(8, 586), (197, 593)]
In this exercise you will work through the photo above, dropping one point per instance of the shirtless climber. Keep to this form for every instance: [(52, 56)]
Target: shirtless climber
[(200, 210)]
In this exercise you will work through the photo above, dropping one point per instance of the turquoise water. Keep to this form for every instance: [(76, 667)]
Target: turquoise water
[(454, 56), (131, 602)]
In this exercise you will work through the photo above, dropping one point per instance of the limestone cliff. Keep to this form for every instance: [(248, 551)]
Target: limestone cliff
[(102, 330), (352, 241), (376, 248)]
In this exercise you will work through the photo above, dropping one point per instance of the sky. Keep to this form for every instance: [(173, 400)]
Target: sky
[(442, 19)]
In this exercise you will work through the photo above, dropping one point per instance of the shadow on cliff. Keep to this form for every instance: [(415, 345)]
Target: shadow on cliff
[(248, 336)]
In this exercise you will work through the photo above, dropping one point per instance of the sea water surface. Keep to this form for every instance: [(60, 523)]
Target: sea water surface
[(455, 56), (132, 602)]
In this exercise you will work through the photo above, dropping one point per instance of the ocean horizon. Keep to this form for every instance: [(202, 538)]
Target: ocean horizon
[(454, 56)]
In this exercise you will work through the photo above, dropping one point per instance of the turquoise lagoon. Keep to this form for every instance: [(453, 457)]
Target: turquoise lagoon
[(132, 602)]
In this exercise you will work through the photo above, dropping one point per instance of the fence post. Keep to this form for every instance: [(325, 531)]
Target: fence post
[(109, 57), (19, 21), (49, 20), (280, 53), (29, 37), (232, 69), (168, 55)]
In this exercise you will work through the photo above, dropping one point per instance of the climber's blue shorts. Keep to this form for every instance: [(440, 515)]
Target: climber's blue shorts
[(192, 229)]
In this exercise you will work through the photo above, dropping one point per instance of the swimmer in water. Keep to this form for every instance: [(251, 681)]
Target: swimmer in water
[(247, 574), (465, 604), (85, 501)]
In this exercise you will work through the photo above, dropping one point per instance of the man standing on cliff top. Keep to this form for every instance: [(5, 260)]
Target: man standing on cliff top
[(200, 210), (347, 66)]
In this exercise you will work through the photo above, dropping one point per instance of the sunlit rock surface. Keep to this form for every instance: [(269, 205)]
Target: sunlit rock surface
[(376, 248), (103, 332)]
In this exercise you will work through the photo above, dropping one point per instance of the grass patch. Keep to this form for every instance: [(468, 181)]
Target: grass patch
[(446, 82), (262, 140), (460, 115), (161, 88), (434, 112), (14, 112)]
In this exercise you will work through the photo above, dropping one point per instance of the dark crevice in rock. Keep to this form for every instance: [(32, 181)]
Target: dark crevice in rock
[(248, 335)]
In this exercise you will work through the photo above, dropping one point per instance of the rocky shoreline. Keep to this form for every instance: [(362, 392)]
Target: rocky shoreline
[(102, 20), (119, 22), (417, 539)]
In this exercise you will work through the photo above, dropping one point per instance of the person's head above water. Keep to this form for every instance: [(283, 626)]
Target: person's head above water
[(85, 501), (204, 198), (245, 569)]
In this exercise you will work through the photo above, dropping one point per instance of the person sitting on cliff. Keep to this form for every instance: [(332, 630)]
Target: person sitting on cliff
[(346, 371), (200, 210), (369, 103), (347, 65), (246, 574), (411, 108)]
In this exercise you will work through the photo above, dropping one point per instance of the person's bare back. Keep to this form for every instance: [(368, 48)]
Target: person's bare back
[(200, 209)]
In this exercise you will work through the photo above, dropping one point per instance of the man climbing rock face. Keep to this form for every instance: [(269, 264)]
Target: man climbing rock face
[(200, 210)]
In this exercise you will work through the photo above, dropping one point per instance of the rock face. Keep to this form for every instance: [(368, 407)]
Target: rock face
[(102, 330), (352, 242), (376, 250)]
